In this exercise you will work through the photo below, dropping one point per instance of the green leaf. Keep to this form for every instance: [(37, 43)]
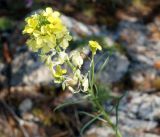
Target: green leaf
[(89, 123), (103, 65), (67, 103), (103, 94), (91, 115), (101, 58)]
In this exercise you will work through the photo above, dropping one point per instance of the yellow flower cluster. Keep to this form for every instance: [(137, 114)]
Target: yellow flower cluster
[(50, 38), (46, 31), (49, 35)]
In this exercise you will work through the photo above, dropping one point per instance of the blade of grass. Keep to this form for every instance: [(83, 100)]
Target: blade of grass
[(89, 123)]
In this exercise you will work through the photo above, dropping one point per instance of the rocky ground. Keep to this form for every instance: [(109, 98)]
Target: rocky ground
[(134, 67)]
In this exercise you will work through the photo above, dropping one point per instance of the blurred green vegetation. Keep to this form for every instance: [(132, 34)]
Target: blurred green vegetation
[(5, 23)]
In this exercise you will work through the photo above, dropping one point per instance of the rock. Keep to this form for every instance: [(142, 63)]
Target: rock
[(99, 132), (25, 106), (149, 106), (141, 104), (79, 29), (143, 53), (142, 76), (28, 70), (135, 133), (136, 124), (114, 70), (107, 132)]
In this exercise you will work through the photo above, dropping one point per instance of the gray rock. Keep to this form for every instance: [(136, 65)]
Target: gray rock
[(28, 70), (142, 51), (79, 29), (150, 105), (25, 106), (143, 106), (99, 132), (107, 132), (115, 69)]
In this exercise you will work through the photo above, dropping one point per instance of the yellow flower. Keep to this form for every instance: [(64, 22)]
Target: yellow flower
[(32, 22), (52, 16), (59, 72), (31, 25), (28, 30), (36, 33), (47, 31), (94, 45), (32, 44)]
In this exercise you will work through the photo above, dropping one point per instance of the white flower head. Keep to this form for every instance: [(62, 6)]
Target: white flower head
[(85, 84), (62, 57), (77, 59), (71, 89), (71, 80)]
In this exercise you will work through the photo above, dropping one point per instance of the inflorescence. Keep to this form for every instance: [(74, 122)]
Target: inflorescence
[(49, 37)]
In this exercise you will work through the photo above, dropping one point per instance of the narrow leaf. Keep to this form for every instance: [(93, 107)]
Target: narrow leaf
[(89, 123), (104, 64), (67, 104), (93, 116)]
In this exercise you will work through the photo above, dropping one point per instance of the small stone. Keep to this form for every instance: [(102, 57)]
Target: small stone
[(25, 105)]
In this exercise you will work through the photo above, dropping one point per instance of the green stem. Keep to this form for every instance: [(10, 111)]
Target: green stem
[(99, 105), (107, 118), (92, 73), (70, 65)]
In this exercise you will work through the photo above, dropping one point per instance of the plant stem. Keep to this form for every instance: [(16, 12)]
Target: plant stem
[(70, 65), (107, 118), (99, 105), (92, 73)]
